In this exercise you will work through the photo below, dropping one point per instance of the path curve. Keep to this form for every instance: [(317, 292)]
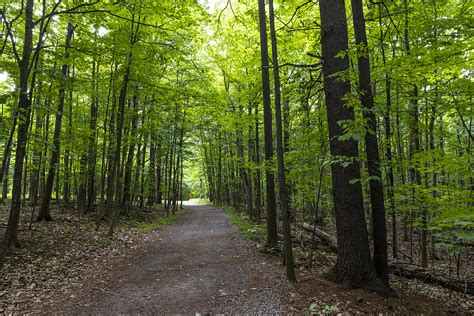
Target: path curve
[(200, 264)]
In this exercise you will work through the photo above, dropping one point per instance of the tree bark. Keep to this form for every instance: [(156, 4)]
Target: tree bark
[(379, 227), (284, 207), (272, 232), (354, 267), (24, 108)]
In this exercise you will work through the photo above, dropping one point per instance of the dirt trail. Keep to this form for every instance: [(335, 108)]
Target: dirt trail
[(200, 264)]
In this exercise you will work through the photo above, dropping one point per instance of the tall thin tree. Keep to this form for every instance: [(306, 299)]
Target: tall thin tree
[(272, 232), (284, 207), (44, 213), (371, 146)]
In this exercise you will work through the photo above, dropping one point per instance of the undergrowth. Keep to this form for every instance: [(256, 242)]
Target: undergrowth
[(161, 222), (250, 230), (153, 221)]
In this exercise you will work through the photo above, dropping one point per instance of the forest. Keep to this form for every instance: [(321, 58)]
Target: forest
[(336, 135)]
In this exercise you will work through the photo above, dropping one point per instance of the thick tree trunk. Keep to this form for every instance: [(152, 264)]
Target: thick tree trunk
[(272, 232), (24, 108), (354, 267)]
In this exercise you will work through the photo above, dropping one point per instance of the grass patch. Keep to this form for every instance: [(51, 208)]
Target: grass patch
[(250, 230), (161, 221), (201, 201)]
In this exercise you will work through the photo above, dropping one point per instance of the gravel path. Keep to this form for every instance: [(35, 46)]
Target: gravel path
[(200, 264)]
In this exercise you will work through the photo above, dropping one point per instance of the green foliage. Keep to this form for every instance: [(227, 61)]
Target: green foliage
[(319, 307)]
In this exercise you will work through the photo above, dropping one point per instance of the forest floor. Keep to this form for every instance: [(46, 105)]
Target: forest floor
[(201, 263)]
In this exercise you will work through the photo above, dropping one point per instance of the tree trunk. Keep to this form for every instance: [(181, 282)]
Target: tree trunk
[(92, 155), (67, 154), (115, 162), (151, 175), (288, 250), (44, 213), (131, 150), (272, 232), (37, 153), (5, 183), (159, 192), (250, 207), (257, 184), (8, 145), (371, 146), (24, 108), (354, 267)]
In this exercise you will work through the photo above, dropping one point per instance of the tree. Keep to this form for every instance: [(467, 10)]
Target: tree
[(354, 267), (53, 163), (284, 207), (371, 145), (24, 108), (272, 237)]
